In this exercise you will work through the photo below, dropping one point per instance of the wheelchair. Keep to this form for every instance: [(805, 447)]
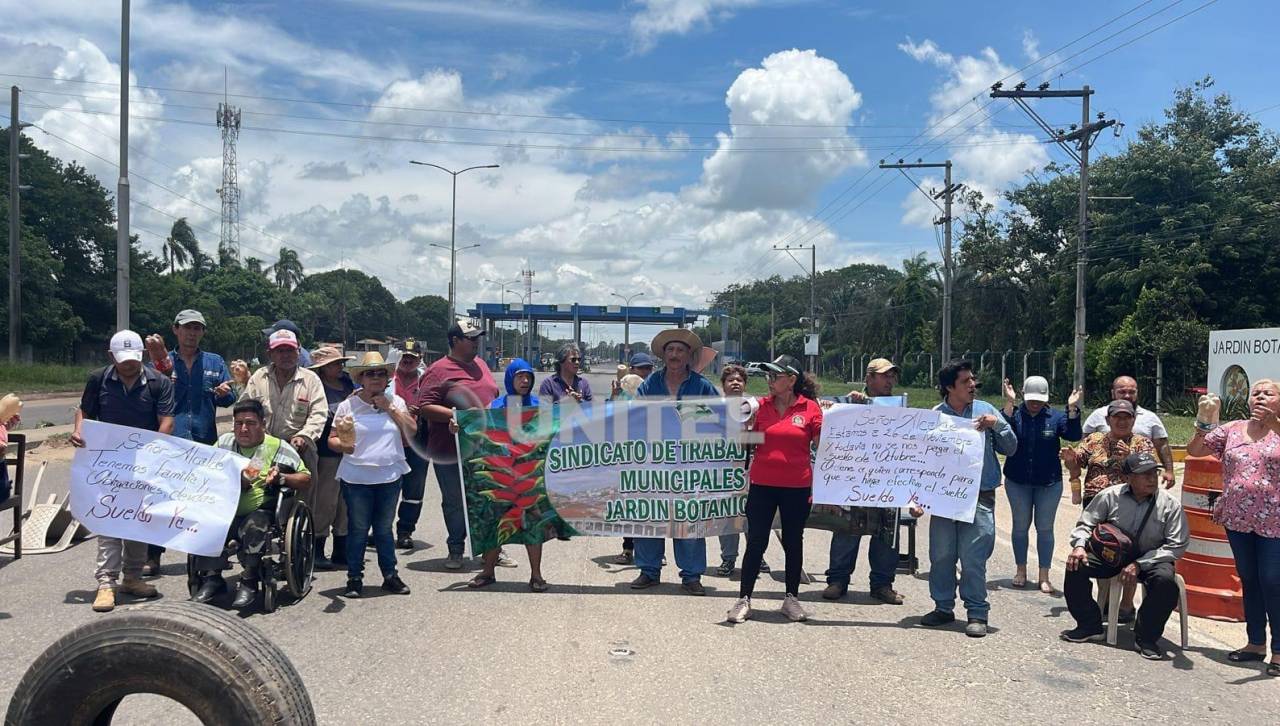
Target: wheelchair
[(289, 556)]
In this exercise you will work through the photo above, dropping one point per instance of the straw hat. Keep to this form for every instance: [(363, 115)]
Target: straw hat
[(677, 335), (369, 361)]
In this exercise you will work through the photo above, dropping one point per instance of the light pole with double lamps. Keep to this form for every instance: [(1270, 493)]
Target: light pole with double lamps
[(626, 323), (453, 231)]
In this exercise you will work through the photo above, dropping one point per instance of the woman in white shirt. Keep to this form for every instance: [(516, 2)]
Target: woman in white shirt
[(370, 428)]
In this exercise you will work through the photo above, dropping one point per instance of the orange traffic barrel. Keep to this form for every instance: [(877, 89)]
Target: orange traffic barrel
[(1213, 587)]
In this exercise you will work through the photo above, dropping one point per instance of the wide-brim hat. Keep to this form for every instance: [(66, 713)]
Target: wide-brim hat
[(677, 335), (371, 360), (321, 357)]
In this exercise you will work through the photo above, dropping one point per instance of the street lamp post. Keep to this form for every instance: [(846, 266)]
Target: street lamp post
[(626, 322), (527, 299), (503, 285), (453, 231)]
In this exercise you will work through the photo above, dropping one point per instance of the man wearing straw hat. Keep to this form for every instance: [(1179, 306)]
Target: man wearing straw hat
[(677, 349)]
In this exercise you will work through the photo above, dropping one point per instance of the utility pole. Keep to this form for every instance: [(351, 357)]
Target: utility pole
[(813, 276), (15, 225), (948, 266), (1083, 136), (122, 187), (772, 322)]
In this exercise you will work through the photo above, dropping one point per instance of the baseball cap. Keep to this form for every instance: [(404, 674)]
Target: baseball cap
[(783, 364), (189, 316), (642, 360), (881, 365), (126, 345), (1035, 388), (1120, 406), (283, 324), (410, 346), (282, 339), (465, 328), (1140, 463)]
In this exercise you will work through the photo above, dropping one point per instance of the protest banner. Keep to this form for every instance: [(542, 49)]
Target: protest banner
[(153, 488), (643, 469), (878, 456)]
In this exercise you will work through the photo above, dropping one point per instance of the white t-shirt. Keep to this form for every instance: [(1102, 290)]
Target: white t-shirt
[(379, 455), (1147, 423)]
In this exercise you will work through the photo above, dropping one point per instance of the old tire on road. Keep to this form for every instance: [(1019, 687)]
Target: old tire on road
[(218, 666)]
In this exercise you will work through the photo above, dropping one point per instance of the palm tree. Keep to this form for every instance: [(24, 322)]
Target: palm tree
[(253, 264), (288, 269), (180, 247)]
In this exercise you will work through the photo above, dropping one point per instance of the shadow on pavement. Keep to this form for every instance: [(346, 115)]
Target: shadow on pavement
[(437, 565)]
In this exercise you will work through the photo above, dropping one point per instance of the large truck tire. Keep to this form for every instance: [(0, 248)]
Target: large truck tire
[(218, 666)]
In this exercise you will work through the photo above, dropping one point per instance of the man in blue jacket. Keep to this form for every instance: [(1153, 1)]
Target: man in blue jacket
[(1033, 475), (676, 380), (201, 383), (970, 543)]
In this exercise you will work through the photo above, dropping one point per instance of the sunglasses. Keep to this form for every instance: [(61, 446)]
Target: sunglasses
[(376, 373)]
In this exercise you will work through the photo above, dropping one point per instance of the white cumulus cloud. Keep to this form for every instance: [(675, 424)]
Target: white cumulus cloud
[(677, 17)]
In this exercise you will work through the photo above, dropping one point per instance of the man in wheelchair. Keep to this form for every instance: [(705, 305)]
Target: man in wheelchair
[(273, 464)]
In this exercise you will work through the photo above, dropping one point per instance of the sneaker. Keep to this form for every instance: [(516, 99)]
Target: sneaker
[(105, 600), (791, 608), (138, 588), (937, 618), (404, 541), (151, 568), (504, 561), (693, 587), (764, 567), (625, 558), (835, 591), (1080, 635), (976, 628), (454, 562), (355, 587), (1148, 651), (888, 595), (643, 581), (740, 611), (725, 569), (395, 585)]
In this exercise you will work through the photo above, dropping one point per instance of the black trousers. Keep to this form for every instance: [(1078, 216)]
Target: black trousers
[(791, 504), (1157, 603)]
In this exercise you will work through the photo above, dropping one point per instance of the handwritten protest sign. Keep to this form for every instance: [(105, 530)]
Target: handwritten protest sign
[(152, 488), (878, 456)]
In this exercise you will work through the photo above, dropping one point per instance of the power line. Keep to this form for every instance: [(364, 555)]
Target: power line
[(1137, 38)]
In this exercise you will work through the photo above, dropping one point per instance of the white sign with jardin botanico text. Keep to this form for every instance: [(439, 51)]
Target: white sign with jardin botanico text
[(153, 488)]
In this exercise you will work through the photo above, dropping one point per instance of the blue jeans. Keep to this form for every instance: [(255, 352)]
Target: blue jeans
[(1258, 564), (1027, 504), (691, 556), (413, 488), (729, 547), (451, 504), (844, 557), (970, 544), (370, 505)]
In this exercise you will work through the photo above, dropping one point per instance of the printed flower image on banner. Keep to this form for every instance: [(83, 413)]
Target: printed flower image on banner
[(503, 478)]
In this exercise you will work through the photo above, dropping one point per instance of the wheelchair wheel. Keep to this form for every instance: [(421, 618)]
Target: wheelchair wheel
[(269, 585), (299, 551)]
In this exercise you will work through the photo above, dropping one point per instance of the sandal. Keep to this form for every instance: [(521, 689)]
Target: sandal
[(1019, 581), (1047, 588), (537, 584), (481, 580), (1244, 656)]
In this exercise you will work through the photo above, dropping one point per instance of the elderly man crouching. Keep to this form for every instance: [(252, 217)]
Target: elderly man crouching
[(1156, 527)]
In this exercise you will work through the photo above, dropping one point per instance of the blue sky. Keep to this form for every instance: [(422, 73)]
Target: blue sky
[(676, 88)]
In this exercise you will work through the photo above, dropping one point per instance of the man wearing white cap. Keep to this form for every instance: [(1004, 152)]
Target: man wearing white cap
[(125, 393), (292, 395)]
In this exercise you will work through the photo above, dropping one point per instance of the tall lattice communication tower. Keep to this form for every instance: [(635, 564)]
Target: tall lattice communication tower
[(229, 242)]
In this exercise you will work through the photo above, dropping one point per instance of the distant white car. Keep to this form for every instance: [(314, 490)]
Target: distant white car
[(755, 369)]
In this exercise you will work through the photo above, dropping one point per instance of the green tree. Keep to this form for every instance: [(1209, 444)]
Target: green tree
[(287, 269), (180, 247)]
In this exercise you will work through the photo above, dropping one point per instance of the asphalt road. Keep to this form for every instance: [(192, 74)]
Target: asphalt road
[(49, 412), (592, 650)]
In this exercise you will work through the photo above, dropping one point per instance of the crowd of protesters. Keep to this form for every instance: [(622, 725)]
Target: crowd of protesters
[(356, 440)]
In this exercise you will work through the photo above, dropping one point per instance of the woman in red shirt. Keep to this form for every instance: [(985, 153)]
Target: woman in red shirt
[(781, 477)]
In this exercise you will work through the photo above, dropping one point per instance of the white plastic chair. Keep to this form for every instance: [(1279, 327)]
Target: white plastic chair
[(1109, 592)]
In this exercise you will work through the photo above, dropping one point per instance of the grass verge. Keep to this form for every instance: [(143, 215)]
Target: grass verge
[(42, 378)]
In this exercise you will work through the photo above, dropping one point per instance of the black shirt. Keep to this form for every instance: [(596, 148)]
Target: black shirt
[(105, 399)]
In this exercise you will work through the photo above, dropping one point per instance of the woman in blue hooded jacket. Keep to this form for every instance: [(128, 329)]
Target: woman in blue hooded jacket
[(519, 384)]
